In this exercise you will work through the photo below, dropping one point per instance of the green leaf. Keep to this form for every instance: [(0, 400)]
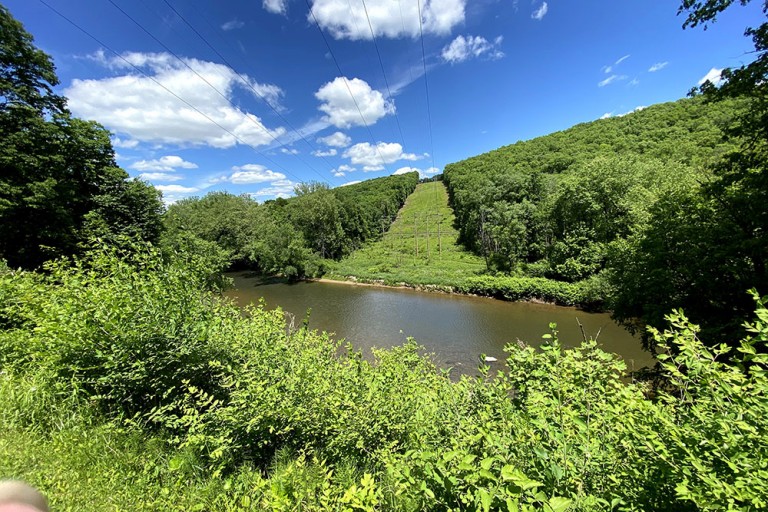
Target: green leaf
[(558, 504)]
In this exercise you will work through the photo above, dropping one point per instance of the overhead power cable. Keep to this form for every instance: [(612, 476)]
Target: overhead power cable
[(158, 83), (426, 87), (201, 77), (346, 82), (384, 73), (245, 81)]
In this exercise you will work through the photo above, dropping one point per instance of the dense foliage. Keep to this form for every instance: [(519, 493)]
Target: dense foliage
[(702, 248), (59, 183), (627, 202), (123, 363), (290, 236)]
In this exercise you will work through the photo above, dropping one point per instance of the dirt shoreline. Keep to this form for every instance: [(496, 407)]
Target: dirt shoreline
[(431, 288)]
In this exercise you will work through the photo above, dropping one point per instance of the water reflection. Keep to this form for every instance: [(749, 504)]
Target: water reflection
[(457, 329)]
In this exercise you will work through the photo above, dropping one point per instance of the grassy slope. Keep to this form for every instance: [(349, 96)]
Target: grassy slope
[(394, 259)]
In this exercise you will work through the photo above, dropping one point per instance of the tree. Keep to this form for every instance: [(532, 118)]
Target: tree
[(59, 183), (702, 251)]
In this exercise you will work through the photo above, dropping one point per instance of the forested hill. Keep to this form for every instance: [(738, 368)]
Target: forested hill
[(687, 132), (635, 204), (289, 236)]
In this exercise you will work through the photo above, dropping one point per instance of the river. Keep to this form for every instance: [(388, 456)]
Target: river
[(457, 329)]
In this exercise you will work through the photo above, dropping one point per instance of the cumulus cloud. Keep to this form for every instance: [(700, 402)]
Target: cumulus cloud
[(354, 182), (423, 173), (344, 110), (463, 48), (336, 140), (539, 13), (291, 151), (176, 189), (657, 67), (142, 108), (124, 143), (374, 158), (160, 176), (342, 170), (320, 153), (232, 25), (276, 6), (282, 188), (251, 173), (714, 75), (611, 114), (167, 163), (346, 19)]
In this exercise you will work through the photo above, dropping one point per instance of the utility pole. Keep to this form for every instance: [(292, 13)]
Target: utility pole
[(415, 234), (439, 237)]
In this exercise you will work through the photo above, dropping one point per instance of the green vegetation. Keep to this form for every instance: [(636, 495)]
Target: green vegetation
[(293, 236), (420, 246), (127, 385), (59, 183)]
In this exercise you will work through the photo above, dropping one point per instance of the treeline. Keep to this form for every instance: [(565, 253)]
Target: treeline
[(637, 206), (59, 184), (290, 236)]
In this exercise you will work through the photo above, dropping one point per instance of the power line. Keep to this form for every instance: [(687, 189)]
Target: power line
[(346, 82), (201, 77), (426, 87), (381, 62), (246, 82), (206, 116)]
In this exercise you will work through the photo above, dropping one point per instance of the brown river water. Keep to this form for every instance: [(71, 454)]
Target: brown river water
[(457, 329)]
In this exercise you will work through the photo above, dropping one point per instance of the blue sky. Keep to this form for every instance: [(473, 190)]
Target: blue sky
[(245, 96)]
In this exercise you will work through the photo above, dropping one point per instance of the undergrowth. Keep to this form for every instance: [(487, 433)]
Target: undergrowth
[(128, 384)]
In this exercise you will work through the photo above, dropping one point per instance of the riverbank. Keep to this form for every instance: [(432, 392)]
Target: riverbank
[(588, 295)]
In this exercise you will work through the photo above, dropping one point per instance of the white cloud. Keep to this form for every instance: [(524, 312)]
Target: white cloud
[(276, 6), (252, 173), (291, 151), (342, 170), (167, 163), (176, 189), (633, 82), (423, 173), (282, 188), (355, 182), (160, 176), (138, 106), (611, 114), (232, 25), (336, 140), (610, 68), (657, 67), (611, 79), (341, 108), (714, 75), (539, 13), (374, 158), (320, 153), (124, 143), (346, 19), (462, 48)]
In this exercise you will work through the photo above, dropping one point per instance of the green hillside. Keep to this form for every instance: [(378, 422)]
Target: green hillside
[(420, 247)]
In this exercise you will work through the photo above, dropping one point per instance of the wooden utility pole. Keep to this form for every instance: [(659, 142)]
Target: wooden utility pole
[(415, 234), (429, 228), (439, 237)]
